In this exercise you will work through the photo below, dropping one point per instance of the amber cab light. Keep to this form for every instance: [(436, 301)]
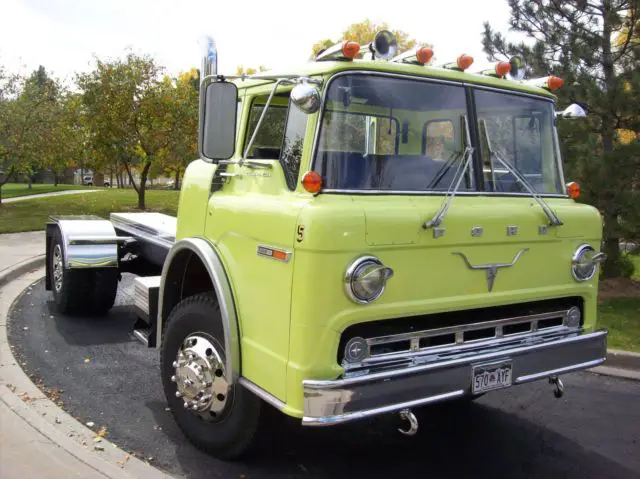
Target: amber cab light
[(350, 49), (553, 83), (502, 68), (464, 61), (573, 190), (424, 54), (312, 182)]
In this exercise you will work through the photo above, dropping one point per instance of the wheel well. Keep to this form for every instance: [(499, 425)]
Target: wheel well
[(186, 277)]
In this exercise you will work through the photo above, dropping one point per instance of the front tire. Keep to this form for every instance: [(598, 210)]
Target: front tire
[(219, 419)]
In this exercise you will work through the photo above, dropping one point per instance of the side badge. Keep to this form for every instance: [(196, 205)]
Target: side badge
[(300, 234)]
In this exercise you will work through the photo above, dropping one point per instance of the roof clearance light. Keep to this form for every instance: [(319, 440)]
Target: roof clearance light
[(553, 83), (424, 54), (573, 190), (502, 68), (350, 49), (312, 182), (464, 61)]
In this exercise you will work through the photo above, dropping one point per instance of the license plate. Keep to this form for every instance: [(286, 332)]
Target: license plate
[(487, 377)]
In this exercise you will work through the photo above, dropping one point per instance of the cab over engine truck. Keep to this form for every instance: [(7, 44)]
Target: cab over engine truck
[(363, 236)]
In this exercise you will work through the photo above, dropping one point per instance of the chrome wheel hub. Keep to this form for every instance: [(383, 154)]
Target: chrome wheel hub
[(200, 375), (58, 268)]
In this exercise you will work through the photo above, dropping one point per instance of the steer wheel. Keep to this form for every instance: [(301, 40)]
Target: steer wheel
[(221, 419)]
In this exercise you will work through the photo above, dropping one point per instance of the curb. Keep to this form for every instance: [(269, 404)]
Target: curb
[(623, 359), (17, 270), (29, 403)]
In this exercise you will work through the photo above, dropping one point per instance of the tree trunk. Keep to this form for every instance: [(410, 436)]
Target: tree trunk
[(175, 186), (30, 181), (143, 185), (55, 179)]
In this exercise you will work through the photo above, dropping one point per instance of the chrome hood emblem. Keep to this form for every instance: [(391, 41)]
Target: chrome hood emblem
[(492, 269)]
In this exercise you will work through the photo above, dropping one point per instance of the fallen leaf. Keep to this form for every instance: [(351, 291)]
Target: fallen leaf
[(103, 431), (98, 447)]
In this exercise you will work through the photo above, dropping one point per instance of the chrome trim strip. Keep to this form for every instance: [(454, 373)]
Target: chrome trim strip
[(209, 257), (142, 231), (437, 193), (84, 240), (332, 420), (568, 369), (261, 393)]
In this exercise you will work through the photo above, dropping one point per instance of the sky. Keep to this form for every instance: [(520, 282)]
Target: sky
[(65, 35)]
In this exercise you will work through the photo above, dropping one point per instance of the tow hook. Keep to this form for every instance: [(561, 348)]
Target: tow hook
[(558, 392), (407, 415)]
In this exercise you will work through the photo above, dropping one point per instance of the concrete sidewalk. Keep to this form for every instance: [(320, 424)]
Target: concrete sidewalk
[(37, 438), (17, 248), (46, 195)]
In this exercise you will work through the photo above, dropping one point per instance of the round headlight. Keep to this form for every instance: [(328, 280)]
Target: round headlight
[(585, 262), (365, 279)]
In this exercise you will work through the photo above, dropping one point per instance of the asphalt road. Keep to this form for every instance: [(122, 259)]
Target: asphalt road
[(109, 378)]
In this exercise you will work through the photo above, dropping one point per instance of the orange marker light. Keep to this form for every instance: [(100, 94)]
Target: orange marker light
[(464, 61), (573, 190), (503, 68), (312, 182), (553, 83), (424, 54), (350, 49)]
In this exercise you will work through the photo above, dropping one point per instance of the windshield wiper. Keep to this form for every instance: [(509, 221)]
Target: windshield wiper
[(553, 217), (451, 192)]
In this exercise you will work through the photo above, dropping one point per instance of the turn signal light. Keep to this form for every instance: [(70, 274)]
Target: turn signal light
[(312, 182), (464, 61), (554, 83), (573, 190), (424, 54), (350, 49), (502, 68)]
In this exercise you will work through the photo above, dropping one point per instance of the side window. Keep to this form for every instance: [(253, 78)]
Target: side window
[(269, 139), (292, 144), (439, 139)]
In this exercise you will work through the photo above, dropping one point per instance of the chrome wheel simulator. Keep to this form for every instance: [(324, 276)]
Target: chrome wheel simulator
[(199, 375)]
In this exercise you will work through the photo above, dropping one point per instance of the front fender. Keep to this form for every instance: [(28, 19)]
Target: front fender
[(210, 259)]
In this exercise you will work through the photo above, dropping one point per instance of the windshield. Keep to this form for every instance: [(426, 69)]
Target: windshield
[(518, 130), (381, 133)]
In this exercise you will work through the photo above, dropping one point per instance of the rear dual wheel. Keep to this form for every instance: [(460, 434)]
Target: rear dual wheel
[(80, 291), (219, 418)]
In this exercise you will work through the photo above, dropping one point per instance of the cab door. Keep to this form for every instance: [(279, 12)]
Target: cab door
[(251, 219)]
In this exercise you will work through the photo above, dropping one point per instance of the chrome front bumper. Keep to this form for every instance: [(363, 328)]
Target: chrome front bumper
[(426, 380)]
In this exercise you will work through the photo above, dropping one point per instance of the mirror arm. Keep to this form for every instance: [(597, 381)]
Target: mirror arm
[(264, 113)]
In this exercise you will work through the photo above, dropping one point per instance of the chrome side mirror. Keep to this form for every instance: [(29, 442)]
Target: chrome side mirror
[(572, 111), (306, 97)]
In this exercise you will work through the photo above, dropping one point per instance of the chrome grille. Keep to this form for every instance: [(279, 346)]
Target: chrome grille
[(459, 337)]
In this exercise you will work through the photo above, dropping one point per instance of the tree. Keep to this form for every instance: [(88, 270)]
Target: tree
[(363, 33), (575, 39), (126, 105), (241, 70), (22, 119)]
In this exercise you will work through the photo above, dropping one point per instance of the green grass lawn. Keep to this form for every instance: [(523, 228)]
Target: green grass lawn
[(32, 214), (622, 318), (12, 190), (635, 259)]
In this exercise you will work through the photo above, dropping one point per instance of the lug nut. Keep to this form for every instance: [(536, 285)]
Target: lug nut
[(175, 364), (194, 407), (173, 379), (178, 394), (186, 404), (208, 384)]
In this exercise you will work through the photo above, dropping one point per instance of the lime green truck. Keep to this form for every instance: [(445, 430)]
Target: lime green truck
[(366, 235)]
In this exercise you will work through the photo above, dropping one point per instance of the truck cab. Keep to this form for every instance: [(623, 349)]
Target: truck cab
[(362, 236)]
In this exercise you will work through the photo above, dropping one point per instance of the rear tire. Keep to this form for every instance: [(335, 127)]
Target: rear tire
[(80, 291), (229, 433)]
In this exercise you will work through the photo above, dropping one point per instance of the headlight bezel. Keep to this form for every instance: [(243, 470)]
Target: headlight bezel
[(577, 255), (355, 267)]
